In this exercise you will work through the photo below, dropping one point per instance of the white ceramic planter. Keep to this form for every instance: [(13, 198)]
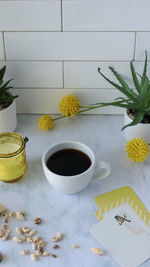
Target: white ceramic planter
[(141, 130), (8, 118)]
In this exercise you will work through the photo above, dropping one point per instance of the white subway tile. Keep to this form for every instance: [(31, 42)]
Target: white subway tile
[(47, 100), (85, 74), (142, 44), (1, 47), (69, 46), (106, 15), (30, 16), (36, 74)]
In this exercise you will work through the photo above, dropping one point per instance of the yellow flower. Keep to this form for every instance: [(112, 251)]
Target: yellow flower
[(137, 150), (69, 106), (45, 122)]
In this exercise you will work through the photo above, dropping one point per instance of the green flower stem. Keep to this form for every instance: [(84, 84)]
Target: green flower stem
[(87, 108), (81, 111), (61, 117)]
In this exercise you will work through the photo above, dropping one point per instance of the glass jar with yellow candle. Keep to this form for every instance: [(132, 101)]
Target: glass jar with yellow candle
[(13, 163)]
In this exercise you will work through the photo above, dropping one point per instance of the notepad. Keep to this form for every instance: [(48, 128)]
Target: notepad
[(124, 228), (118, 197)]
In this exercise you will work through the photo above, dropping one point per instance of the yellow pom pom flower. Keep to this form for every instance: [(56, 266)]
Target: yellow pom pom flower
[(69, 106), (137, 150), (45, 122)]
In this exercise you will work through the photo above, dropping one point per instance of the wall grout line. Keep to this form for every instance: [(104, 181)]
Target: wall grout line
[(61, 14), (135, 46), (63, 74), (59, 31), (62, 89), (71, 60), (4, 46)]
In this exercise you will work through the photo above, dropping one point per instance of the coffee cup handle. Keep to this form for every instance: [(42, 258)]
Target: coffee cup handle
[(102, 170)]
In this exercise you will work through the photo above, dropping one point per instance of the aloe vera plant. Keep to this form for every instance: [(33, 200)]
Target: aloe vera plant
[(137, 101), (5, 97)]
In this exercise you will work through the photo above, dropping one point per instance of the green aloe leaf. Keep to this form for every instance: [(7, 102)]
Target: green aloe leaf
[(118, 104), (137, 119), (121, 89), (125, 86), (144, 71), (2, 72), (4, 88), (7, 99), (108, 80), (145, 65), (135, 79), (145, 90)]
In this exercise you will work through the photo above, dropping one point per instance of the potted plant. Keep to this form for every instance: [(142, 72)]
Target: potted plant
[(8, 118), (136, 102)]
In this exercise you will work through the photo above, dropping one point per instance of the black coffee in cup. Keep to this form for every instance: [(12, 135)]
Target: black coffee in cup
[(68, 162)]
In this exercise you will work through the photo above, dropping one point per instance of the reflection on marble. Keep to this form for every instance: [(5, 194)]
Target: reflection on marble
[(72, 215)]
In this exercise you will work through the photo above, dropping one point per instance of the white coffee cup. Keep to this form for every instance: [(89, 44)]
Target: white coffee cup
[(75, 183)]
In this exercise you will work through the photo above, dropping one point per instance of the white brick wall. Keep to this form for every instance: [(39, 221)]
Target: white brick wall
[(54, 47)]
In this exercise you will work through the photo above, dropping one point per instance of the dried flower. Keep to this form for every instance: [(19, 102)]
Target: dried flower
[(97, 251), (53, 255), (1, 256), (25, 252), (74, 246), (37, 220), (137, 150), (55, 246), (32, 233), (33, 257), (45, 122), (7, 235), (26, 229), (69, 106), (59, 236), (20, 215)]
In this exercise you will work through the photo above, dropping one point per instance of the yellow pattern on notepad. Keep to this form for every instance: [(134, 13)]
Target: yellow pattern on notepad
[(118, 197)]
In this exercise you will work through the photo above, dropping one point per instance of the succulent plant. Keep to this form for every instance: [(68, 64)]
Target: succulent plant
[(5, 97), (137, 101)]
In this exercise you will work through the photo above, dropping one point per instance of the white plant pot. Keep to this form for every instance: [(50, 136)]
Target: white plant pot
[(8, 118), (141, 130)]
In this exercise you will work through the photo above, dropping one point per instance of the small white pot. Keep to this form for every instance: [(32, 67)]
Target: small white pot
[(8, 118), (141, 130)]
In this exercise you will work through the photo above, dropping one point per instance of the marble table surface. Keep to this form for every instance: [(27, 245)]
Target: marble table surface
[(72, 215)]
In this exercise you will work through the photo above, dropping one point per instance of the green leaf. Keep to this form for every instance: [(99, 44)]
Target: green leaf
[(126, 88), (135, 79), (121, 98), (108, 80), (121, 89), (7, 99), (144, 71), (139, 75), (137, 119), (2, 72), (118, 104), (145, 65), (4, 88), (145, 90)]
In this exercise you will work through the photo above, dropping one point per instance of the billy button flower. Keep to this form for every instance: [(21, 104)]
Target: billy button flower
[(69, 106), (137, 150), (45, 122)]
